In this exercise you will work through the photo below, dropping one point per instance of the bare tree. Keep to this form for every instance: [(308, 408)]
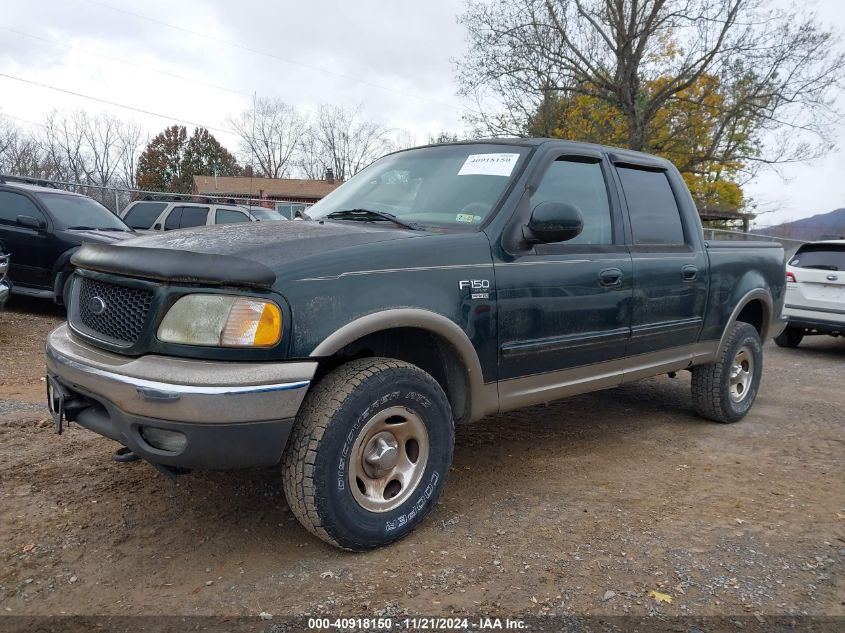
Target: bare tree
[(19, 153), (132, 140), (776, 69), (340, 139), (270, 135)]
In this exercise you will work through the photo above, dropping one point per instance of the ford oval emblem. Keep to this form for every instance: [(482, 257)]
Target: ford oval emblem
[(96, 305), (832, 277)]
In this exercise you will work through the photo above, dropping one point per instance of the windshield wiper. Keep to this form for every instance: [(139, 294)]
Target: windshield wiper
[(368, 215), (94, 228)]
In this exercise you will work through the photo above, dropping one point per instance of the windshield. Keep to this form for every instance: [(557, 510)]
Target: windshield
[(266, 214), (448, 186), (81, 212)]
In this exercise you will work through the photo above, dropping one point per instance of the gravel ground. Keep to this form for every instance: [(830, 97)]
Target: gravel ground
[(583, 507)]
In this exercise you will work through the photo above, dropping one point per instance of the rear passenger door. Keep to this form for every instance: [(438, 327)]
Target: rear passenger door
[(669, 263)]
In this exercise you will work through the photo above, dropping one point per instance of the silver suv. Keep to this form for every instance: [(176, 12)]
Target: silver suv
[(158, 215)]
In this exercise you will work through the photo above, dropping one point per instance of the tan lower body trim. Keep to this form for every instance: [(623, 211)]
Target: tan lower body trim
[(530, 390)]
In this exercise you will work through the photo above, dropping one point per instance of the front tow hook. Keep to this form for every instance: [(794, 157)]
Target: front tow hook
[(124, 455)]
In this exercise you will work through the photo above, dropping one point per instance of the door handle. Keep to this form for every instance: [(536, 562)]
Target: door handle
[(610, 278), (689, 272)]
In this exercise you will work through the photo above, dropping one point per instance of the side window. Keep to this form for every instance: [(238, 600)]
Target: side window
[(582, 184), (144, 214), (14, 204), (655, 217), (173, 219), (228, 216), (194, 216)]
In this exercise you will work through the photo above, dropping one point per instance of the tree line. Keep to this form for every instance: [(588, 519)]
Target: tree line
[(719, 87), (273, 140)]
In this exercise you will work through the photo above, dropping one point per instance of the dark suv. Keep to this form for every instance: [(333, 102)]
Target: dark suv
[(5, 286), (42, 227)]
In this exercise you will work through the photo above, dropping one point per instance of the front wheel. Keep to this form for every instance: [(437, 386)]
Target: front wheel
[(790, 337), (369, 453), (725, 390)]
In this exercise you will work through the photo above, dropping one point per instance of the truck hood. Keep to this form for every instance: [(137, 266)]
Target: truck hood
[(271, 243), (106, 237), (245, 254)]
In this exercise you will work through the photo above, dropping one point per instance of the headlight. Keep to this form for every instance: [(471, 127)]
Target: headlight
[(222, 321)]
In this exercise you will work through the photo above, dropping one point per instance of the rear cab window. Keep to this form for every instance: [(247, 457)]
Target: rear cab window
[(652, 207), (144, 214)]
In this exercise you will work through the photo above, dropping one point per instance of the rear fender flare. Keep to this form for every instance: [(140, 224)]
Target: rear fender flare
[(765, 298)]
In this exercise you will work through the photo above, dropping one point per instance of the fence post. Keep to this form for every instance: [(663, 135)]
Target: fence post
[(117, 203)]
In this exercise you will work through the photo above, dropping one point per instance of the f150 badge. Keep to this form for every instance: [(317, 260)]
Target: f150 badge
[(479, 288)]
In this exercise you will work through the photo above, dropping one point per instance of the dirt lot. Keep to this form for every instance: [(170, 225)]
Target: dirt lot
[(581, 507)]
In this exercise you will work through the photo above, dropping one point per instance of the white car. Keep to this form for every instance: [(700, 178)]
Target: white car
[(159, 215), (815, 292)]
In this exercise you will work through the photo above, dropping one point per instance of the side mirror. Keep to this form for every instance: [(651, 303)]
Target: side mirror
[(554, 222), (31, 222)]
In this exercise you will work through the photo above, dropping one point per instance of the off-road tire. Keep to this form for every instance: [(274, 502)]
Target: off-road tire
[(316, 461), (711, 383), (790, 337)]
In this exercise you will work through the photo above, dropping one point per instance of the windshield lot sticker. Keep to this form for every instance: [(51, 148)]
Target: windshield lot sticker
[(465, 217), (489, 165)]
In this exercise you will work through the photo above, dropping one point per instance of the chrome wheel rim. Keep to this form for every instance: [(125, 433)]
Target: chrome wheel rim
[(742, 374), (388, 459)]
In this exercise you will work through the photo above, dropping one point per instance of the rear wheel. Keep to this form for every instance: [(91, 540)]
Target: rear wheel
[(790, 337), (369, 453), (725, 390)]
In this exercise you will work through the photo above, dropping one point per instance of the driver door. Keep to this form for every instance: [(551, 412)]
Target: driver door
[(564, 308), (30, 263)]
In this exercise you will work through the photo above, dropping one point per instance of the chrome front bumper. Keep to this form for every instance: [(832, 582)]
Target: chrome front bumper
[(180, 390)]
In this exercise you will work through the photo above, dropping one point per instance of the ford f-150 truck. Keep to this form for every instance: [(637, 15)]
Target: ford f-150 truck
[(437, 286)]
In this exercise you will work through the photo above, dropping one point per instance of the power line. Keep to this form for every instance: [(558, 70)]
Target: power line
[(124, 61), (265, 53), (118, 105), (17, 118)]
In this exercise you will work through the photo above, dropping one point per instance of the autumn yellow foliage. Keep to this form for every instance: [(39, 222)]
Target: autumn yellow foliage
[(685, 131)]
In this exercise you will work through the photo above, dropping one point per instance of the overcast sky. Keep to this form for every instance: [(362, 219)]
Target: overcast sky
[(392, 57)]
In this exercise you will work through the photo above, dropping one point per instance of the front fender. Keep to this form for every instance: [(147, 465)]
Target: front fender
[(483, 398)]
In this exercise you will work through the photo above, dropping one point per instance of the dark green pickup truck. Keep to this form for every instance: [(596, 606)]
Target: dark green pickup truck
[(439, 285)]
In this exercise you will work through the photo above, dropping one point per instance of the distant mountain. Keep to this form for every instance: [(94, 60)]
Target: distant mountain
[(823, 225)]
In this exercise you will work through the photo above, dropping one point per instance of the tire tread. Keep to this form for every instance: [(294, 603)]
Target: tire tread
[(707, 380), (316, 413)]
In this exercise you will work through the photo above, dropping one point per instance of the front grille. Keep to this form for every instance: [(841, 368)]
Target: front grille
[(123, 313)]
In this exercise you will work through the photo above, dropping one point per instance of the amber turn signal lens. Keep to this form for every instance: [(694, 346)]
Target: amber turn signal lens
[(252, 323)]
